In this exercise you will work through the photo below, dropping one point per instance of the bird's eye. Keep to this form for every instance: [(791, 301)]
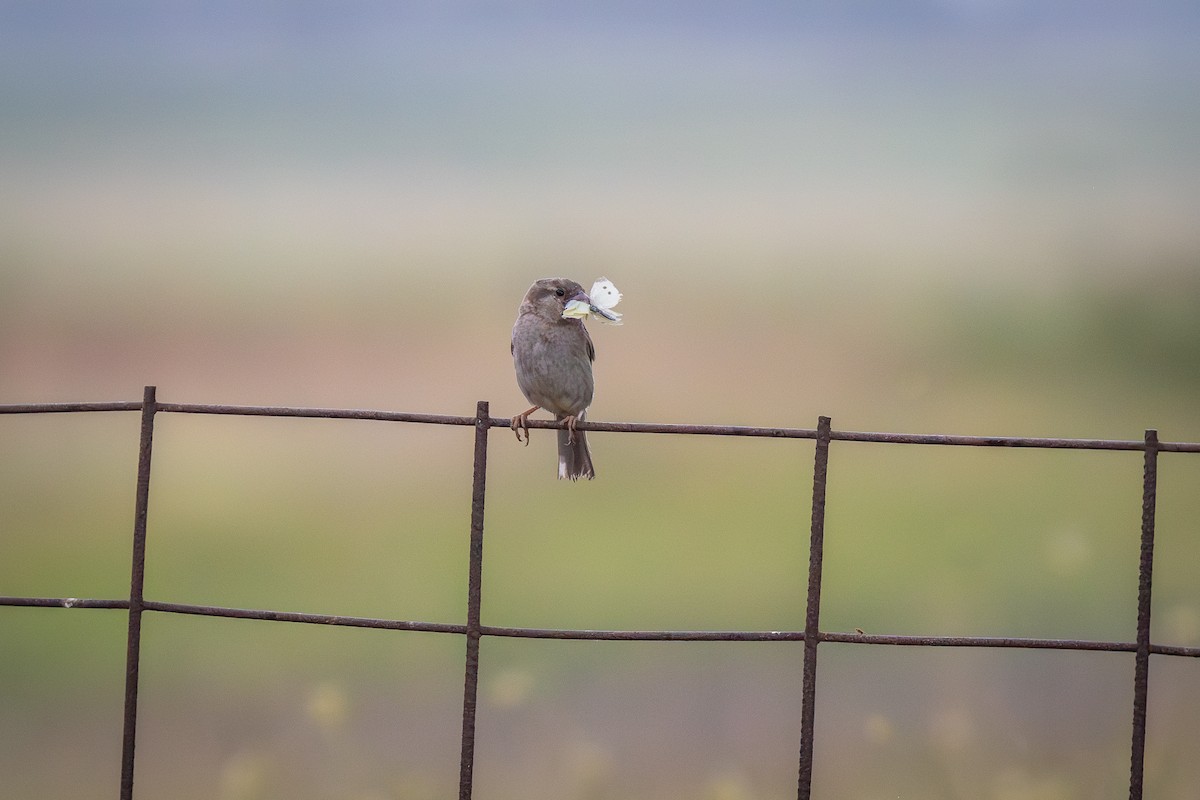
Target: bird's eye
[(560, 292)]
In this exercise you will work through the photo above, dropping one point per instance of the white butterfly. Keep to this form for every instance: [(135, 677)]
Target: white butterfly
[(603, 296)]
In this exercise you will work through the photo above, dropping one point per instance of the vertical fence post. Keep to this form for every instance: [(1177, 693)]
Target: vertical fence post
[(136, 583), (1141, 672), (812, 617), (474, 599)]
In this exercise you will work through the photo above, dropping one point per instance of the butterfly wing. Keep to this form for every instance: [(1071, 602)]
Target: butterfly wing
[(604, 296), (577, 309)]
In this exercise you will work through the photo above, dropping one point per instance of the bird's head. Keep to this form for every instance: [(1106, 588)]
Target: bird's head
[(549, 297)]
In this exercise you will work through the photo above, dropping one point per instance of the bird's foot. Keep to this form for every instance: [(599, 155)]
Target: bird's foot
[(569, 424), (521, 423)]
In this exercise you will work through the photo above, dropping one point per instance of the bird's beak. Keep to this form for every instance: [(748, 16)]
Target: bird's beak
[(577, 307)]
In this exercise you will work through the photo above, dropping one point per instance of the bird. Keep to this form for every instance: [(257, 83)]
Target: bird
[(553, 356)]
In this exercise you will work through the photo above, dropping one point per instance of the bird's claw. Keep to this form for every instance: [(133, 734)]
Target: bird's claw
[(569, 424), (518, 425), (521, 423)]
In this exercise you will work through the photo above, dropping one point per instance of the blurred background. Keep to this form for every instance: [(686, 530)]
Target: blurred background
[(941, 216)]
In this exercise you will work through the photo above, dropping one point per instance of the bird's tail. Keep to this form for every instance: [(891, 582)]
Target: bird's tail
[(574, 458)]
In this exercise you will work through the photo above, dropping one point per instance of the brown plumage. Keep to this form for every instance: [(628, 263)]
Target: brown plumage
[(553, 359)]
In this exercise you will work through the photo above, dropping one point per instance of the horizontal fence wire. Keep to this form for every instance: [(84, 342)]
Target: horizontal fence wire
[(474, 629), (384, 623), (612, 427)]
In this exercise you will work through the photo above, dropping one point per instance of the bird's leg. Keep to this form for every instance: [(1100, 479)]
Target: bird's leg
[(521, 423), (569, 424)]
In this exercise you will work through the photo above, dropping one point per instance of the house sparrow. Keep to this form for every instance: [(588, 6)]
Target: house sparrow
[(553, 357)]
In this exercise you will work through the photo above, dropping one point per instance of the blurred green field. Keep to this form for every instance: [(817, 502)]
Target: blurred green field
[(371, 519)]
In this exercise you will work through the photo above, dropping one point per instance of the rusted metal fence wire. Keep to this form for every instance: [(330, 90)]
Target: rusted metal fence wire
[(473, 629)]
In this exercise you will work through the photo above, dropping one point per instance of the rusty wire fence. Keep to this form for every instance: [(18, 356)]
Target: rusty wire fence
[(473, 629)]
